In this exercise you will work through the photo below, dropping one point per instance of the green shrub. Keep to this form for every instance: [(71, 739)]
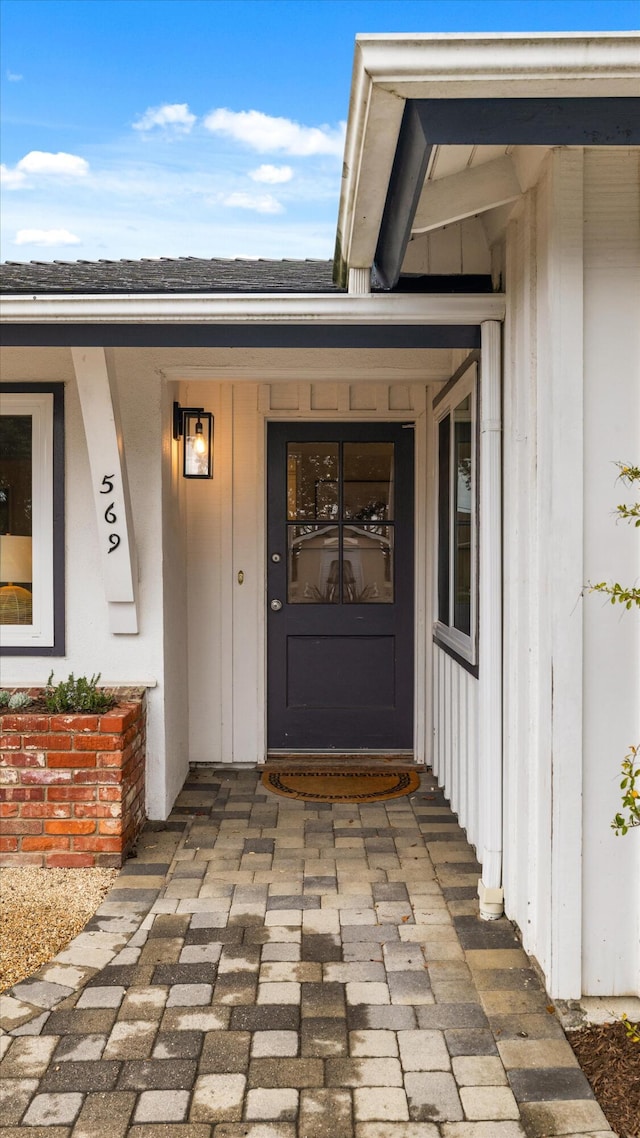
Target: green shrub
[(19, 700), (15, 701), (77, 695)]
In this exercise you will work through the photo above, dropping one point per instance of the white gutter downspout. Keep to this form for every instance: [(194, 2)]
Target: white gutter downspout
[(490, 889), (359, 282)]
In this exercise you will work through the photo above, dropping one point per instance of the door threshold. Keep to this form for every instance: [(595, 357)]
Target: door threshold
[(363, 752), (364, 759)]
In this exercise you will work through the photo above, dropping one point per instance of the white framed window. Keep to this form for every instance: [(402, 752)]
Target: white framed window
[(31, 520), (456, 440)]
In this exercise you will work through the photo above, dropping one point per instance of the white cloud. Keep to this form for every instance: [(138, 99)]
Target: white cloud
[(272, 174), (11, 179), (41, 162), (259, 203), (176, 115), (266, 133), (46, 237), (13, 78)]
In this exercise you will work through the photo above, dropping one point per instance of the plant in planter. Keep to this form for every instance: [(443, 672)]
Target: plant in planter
[(72, 759), (16, 701), (81, 695)]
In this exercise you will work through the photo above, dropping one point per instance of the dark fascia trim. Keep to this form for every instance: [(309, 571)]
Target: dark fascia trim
[(452, 283), (487, 122), (530, 122), (58, 647), (241, 335)]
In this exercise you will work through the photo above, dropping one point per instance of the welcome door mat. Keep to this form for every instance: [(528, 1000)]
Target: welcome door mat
[(333, 785)]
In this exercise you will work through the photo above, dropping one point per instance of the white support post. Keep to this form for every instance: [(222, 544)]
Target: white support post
[(490, 889), (99, 403), (561, 352)]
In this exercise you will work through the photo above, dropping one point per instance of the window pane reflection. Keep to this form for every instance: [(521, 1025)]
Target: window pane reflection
[(462, 517), (16, 575), (312, 480), (313, 560), (367, 565), (368, 481)]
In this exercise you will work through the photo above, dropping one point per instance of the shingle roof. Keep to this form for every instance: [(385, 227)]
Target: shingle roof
[(167, 274)]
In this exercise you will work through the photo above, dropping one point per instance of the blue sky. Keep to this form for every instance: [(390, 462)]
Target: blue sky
[(145, 128)]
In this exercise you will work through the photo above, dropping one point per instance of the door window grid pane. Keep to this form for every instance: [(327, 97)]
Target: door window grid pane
[(367, 576), (368, 481), (341, 563), (312, 481), (313, 565)]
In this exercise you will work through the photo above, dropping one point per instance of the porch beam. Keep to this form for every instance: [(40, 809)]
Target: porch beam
[(462, 195), (405, 187), (212, 336), (100, 413), (531, 122)]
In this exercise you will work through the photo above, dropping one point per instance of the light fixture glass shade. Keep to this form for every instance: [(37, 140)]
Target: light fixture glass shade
[(198, 445)]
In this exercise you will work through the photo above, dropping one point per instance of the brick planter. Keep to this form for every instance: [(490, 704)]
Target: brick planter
[(71, 786)]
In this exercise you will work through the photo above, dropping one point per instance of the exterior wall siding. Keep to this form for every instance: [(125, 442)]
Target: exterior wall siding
[(611, 895), (571, 671), (455, 740)]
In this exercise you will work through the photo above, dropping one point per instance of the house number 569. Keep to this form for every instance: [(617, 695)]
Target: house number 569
[(110, 516)]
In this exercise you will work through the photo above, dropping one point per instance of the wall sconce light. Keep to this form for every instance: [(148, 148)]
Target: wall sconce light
[(194, 426)]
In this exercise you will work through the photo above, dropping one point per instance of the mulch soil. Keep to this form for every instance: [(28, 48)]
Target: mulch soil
[(611, 1062)]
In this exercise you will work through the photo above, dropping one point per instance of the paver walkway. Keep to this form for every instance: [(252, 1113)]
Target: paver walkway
[(302, 971)]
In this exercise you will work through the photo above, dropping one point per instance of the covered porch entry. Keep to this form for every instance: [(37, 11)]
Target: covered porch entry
[(452, 703)]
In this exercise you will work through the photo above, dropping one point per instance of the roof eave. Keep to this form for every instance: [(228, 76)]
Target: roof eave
[(276, 308), (390, 69)]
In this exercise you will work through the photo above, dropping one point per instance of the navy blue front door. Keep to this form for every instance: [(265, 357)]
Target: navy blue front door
[(340, 586)]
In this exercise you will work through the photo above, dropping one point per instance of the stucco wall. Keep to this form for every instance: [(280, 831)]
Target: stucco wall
[(90, 647)]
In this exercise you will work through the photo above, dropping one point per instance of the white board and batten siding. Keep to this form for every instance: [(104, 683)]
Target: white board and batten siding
[(467, 705), (455, 739), (571, 662), (226, 557)]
